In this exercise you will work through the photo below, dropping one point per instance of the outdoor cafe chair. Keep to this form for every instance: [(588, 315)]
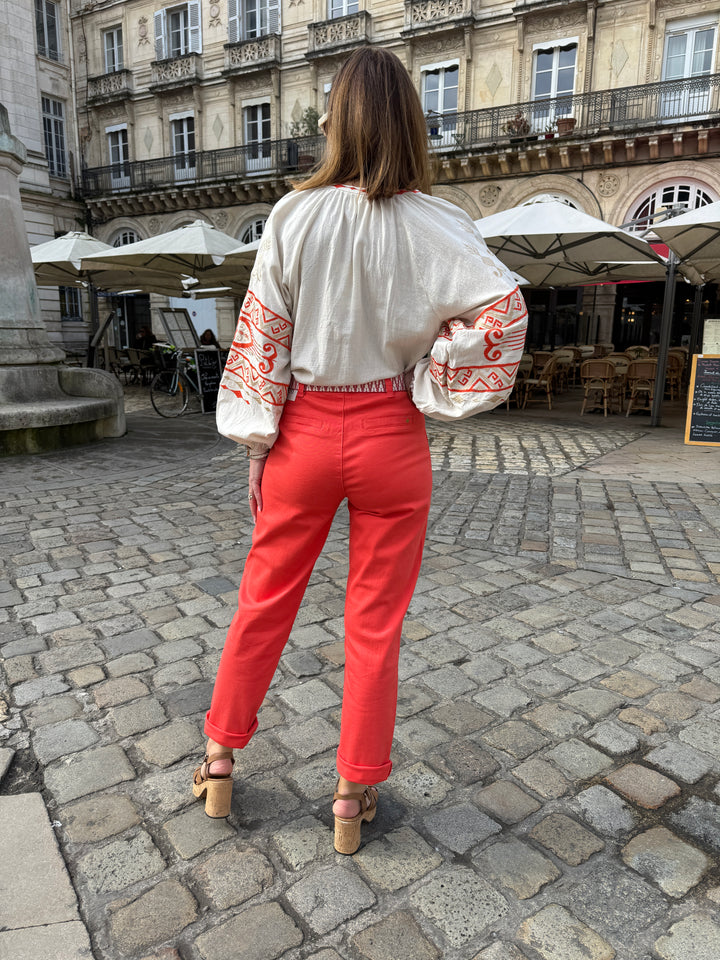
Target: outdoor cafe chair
[(563, 370), (540, 358), (587, 351), (674, 375), (641, 382), (523, 372), (637, 352), (602, 385), (544, 380)]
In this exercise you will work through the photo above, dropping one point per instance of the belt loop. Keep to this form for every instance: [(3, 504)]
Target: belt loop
[(388, 385), (300, 390)]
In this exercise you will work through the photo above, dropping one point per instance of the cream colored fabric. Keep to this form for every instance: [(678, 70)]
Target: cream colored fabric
[(345, 291)]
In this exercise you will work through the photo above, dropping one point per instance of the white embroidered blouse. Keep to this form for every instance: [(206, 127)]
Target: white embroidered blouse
[(345, 291)]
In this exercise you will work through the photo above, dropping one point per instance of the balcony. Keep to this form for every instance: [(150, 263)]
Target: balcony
[(655, 121), (644, 123), (247, 55), (253, 171), (341, 33), (109, 88), (175, 73), (426, 16)]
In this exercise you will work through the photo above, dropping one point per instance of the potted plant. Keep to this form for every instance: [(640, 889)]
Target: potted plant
[(306, 126), (550, 127), (517, 127), (565, 125)]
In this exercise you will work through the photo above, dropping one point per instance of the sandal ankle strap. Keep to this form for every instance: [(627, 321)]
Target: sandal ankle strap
[(212, 757)]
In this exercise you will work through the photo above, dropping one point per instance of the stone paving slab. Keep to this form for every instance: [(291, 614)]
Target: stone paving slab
[(560, 666)]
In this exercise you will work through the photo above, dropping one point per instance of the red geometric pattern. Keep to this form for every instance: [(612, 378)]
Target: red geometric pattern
[(503, 326), (262, 336)]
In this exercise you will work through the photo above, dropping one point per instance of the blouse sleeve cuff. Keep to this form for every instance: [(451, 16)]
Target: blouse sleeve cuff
[(257, 451)]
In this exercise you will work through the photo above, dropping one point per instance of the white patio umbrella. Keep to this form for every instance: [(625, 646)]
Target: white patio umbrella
[(234, 270), (694, 237), (189, 250), (553, 244), (58, 262)]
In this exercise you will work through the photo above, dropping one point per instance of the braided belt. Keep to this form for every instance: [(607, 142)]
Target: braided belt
[(389, 385)]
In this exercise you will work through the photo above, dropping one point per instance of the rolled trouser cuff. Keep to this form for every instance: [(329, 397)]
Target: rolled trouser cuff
[(357, 773), (235, 740)]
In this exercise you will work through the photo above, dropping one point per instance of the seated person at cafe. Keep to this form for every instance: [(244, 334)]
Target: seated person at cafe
[(207, 339)]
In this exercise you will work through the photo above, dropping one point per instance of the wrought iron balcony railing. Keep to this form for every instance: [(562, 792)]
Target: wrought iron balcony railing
[(252, 160), (650, 107)]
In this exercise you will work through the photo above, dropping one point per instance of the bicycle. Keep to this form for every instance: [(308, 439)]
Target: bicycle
[(171, 388)]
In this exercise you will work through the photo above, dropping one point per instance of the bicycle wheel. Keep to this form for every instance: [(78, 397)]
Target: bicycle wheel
[(169, 393)]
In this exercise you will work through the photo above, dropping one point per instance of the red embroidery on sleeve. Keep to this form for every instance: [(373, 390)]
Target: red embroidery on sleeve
[(503, 324), (261, 337)]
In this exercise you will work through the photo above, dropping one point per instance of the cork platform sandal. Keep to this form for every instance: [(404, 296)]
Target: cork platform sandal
[(216, 790), (347, 831)]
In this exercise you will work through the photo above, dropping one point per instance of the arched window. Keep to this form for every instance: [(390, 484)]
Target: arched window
[(253, 230), (125, 237), (541, 197), (688, 195)]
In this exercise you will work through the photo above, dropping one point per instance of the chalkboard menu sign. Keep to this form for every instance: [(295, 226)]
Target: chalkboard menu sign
[(209, 371), (703, 416)]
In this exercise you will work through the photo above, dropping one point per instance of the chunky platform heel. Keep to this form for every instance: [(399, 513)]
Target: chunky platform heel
[(217, 791), (347, 830)]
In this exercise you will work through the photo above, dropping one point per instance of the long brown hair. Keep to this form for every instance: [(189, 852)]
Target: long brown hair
[(376, 131)]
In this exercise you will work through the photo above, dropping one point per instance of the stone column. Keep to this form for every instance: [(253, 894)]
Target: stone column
[(23, 337)]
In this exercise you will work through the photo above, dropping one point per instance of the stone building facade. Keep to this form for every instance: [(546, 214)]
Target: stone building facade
[(36, 87), (205, 109)]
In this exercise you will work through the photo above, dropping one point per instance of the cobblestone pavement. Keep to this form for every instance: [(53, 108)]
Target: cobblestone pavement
[(555, 794)]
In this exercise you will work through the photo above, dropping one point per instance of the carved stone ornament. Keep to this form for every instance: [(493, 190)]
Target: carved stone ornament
[(296, 3), (547, 24), (154, 225), (220, 219), (142, 31), (214, 15), (437, 45), (608, 185), (489, 195), (82, 50), (426, 11), (330, 33)]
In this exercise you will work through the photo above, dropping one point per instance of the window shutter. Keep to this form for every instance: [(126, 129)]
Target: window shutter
[(194, 20), (159, 17), (233, 21), (273, 16)]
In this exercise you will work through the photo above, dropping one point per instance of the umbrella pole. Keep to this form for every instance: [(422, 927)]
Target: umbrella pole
[(696, 321), (664, 344)]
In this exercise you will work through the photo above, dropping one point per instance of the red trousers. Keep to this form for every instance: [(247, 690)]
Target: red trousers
[(371, 449)]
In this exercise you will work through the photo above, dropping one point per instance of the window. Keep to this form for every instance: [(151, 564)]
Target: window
[(689, 50), (688, 195), (257, 136), (177, 31), (47, 29), (182, 132), (440, 97), (119, 156), (125, 237), (342, 8), (248, 19), (553, 77), (53, 117), (113, 46), (70, 303), (253, 230)]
